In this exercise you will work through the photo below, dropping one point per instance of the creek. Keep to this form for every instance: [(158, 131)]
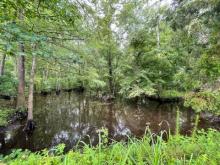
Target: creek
[(71, 117)]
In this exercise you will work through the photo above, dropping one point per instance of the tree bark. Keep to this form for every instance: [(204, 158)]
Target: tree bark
[(31, 90), (21, 72), (2, 65), (21, 80), (30, 124)]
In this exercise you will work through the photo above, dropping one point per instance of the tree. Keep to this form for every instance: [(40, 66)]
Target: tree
[(2, 65), (30, 123), (21, 71)]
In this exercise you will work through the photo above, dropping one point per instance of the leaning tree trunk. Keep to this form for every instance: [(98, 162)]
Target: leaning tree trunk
[(30, 124), (2, 65)]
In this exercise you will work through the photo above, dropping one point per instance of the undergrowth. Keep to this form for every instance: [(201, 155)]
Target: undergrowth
[(204, 101), (5, 114)]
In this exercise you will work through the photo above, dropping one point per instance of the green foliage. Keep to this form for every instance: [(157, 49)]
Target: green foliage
[(103, 136), (200, 149), (133, 49), (185, 81), (130, 49), (203, 148), (137, 91), (5, 115), (8, 81), (171, 94), (209, 65), (8, 85), (203, 101), (138, 85)]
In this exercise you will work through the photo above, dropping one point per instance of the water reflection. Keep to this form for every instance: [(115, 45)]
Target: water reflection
[(71, 117)]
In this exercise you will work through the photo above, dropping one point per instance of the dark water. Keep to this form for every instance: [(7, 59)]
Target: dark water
[(71, 117)]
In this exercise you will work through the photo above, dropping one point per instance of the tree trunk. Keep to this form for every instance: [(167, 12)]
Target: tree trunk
[(58, 86), (30, 124), (158, 26), (21, 80), (110, 74), (21, 73), (2, 65), (158, 31)]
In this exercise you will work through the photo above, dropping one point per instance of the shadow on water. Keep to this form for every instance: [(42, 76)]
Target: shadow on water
[(70, 117)]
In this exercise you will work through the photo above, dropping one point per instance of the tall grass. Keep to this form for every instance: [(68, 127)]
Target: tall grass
[(202, 149), (195, 125), (177, 122)]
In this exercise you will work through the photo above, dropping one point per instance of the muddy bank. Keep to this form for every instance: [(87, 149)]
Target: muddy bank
[(164, 99), (7, 97), (58, 91), (210, 117), (9, 114)]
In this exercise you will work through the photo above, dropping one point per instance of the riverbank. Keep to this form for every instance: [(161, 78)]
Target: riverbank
[(200, 148), (205, 101), (5, 115), (8, 112), (9, 116)]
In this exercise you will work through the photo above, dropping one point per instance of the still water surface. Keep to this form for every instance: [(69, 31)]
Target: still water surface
[(70, 117)]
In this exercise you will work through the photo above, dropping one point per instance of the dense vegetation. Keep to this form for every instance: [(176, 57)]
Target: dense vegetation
[(202, 148), (5, 115), (118, 47), (114, 48)]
